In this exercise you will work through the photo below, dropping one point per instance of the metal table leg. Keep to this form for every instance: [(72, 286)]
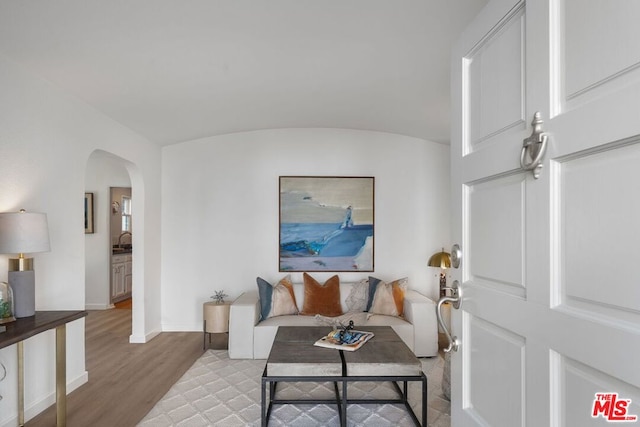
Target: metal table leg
[(20, 346), (61, 376)]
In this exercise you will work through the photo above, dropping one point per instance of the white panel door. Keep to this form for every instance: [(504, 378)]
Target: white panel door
[(549, 325)]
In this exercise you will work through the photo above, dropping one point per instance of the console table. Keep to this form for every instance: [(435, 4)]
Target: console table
[(28, 327)]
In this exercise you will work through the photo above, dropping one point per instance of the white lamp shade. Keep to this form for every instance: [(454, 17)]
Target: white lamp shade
[(23, 232)]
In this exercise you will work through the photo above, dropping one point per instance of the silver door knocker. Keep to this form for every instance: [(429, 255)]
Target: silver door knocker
[(535, 147)]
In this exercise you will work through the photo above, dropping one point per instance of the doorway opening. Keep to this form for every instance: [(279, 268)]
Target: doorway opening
[(109, 250), (121, 238)]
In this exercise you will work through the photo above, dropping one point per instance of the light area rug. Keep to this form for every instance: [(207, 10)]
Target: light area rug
[(218, 391)]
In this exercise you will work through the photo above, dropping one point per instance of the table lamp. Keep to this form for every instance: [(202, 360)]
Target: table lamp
[(20, 233), (441, 260)]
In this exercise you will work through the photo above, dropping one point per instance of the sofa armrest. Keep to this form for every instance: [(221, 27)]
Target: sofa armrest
[(244, 314), (420, 311)]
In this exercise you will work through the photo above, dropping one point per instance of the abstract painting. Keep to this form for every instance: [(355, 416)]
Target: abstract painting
[(326, 223)]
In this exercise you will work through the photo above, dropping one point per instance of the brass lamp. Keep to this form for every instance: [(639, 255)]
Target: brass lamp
[(23, 232), (441, 260)]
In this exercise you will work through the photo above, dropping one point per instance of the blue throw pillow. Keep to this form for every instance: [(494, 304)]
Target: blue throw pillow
[(278, 299), (265, 292)]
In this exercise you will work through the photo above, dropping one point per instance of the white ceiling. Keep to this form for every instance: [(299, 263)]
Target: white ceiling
[(175, 70)]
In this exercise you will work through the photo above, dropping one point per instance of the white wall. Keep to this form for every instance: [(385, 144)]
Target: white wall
[(46, 139), (220, 209)]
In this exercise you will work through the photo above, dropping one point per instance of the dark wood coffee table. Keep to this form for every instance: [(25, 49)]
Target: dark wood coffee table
[(385, 357)]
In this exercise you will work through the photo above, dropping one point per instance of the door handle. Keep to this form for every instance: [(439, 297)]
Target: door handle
[(456, 301), (535, 146)]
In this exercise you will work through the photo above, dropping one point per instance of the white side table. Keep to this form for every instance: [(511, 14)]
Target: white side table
[(215, 319)]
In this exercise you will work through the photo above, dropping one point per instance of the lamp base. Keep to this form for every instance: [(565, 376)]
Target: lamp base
[(23, 284)]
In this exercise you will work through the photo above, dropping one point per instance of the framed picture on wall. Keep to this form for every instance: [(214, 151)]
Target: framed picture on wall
[(88, 213), (326, 223)]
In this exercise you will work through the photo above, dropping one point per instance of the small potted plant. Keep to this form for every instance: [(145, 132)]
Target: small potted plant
[(219, 297)]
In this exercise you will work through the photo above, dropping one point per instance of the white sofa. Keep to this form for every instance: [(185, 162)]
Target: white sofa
[(250, 338)]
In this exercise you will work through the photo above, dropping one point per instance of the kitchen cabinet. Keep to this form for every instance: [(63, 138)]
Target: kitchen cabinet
[(128, 264), (121, 278)]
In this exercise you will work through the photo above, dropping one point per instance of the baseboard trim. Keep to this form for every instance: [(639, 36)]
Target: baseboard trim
[(97, 306), (141, 339), (39, 406)]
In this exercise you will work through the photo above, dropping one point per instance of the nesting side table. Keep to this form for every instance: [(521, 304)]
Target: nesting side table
[(215, 319)]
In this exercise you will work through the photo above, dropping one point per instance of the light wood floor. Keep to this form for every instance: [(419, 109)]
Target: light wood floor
[(125, 380)]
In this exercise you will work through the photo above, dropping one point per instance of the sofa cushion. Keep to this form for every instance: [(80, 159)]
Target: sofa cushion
[(321, 299), (278, 300), (388, 298), (286, 321)]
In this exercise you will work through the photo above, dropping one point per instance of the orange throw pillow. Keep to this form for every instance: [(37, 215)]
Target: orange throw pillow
[(321, 299)]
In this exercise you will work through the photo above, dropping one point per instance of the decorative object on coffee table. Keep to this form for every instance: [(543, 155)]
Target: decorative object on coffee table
[(344, 338)]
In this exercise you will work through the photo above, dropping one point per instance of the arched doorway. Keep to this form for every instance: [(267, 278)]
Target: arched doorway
[(103, 172)]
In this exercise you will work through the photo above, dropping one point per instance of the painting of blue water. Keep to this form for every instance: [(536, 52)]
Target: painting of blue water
[(326, 224), (323, 239)]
